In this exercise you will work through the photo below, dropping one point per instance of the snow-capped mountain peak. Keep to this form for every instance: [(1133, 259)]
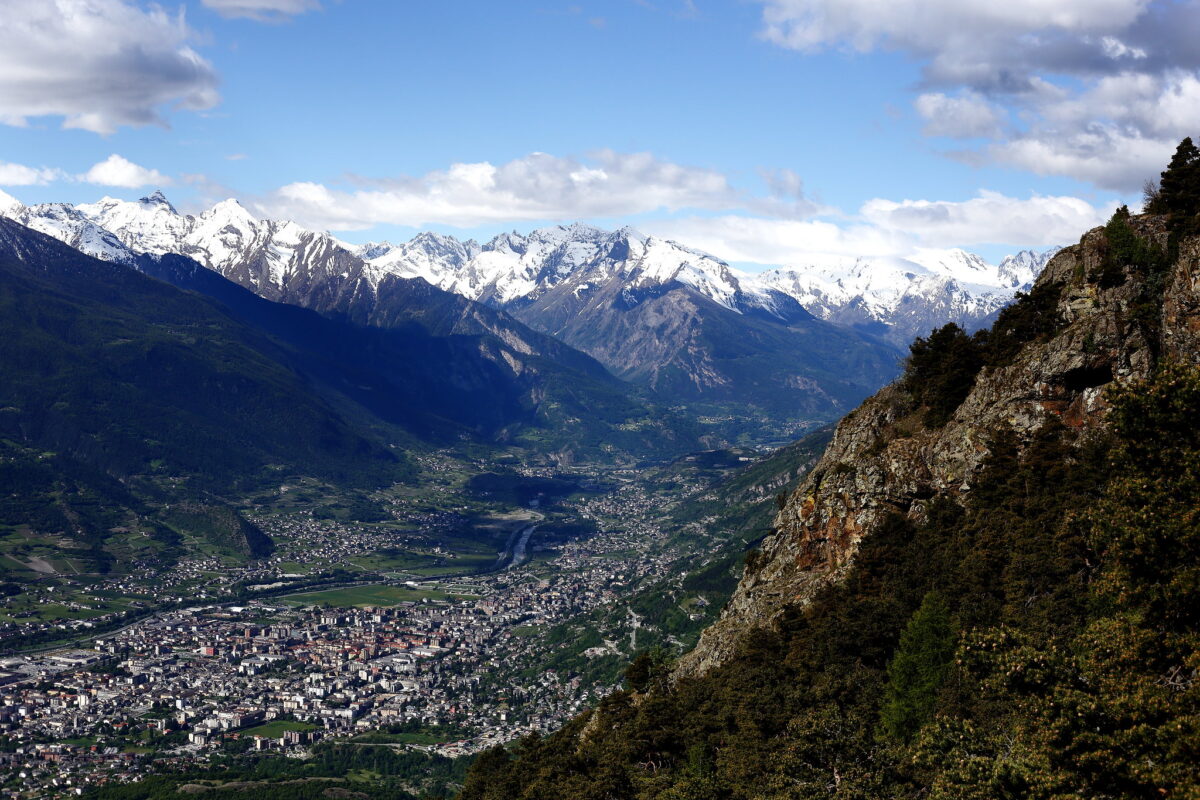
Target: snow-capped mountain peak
[(262, 254), (370, 250), (514, 268), (630, 234), (1020, 270), (230, 206), (427, 255), (68, 225), (955, 263), (662, 261), (574, 262), (9, 205), (911, 295), (158, 199), (148, 225)]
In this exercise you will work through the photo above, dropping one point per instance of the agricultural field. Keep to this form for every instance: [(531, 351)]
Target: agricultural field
[(370, 595), (276, 728), (69, 606)]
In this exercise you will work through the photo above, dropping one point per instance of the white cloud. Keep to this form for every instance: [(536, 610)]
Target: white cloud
[(99, 64), (890, 228), (1104, 89), (990, 218), (112, 171), (21, 175), (1120, 131), (262, 10), (118, 171), (966, 116), (938, 28), (1115, 49), (774, 242), (705, 209), (1103, 155), (1154, 105), (535, 187)]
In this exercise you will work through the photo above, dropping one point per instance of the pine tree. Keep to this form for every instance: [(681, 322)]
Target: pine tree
[(919, 668), (1149, 528), (1179, 190), (940, 371)]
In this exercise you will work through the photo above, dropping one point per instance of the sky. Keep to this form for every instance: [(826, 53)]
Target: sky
[(767, 132)]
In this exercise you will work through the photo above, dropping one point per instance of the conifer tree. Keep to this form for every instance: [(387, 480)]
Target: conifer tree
[(919, 668), (940, 371), (1179, 190)]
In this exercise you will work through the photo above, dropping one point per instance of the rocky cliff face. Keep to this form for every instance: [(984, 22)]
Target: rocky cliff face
[(884, 460)]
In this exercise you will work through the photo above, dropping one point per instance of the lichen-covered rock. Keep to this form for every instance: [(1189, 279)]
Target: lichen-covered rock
[(883, 459)]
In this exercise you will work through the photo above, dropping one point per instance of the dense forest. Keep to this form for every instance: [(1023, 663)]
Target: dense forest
[(1035, 637), (334, 772)]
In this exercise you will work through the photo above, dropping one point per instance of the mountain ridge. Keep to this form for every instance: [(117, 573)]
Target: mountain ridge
[(149, 327), (678, 321), (512, 270), (438, 365)]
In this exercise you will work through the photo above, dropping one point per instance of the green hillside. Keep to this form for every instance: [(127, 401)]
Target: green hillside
[(120, 393), (135, 378)]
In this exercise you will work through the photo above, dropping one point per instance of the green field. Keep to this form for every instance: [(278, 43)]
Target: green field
[(428, 564), (371, 595), (16, 610), (465, 552), (521, 631), (382, 562), (276, 728), (296, 567), (464, 565), (402, 738), (413, 733), (11, 566)]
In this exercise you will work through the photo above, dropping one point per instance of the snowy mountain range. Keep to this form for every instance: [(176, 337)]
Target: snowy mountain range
[(906, 297), (900, 297), (807, 338)]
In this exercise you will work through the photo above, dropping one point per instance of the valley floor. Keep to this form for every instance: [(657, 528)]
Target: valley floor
[(469, 634)]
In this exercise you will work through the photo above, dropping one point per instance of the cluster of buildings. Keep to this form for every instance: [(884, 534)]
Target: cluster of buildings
[(182, 685), (301, 538)]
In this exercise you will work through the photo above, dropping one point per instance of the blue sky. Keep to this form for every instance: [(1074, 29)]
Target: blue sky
[(760, 131)]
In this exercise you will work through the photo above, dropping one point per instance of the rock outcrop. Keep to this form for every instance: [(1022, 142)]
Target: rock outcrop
[(884, 460)]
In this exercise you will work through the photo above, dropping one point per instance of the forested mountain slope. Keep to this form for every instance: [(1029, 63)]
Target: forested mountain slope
[(986, 588), (119, 393), (432, 360), (111, 368)]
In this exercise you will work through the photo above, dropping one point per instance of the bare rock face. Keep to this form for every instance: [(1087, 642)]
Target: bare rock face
[(1181, 305), (884, 460)]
